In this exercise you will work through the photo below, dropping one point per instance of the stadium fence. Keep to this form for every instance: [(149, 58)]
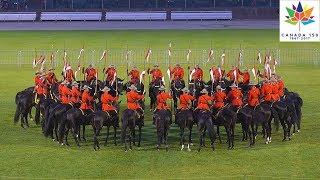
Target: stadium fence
[(136, 57)]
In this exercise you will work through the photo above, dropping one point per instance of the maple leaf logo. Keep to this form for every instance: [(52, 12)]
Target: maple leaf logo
[(298, 15)]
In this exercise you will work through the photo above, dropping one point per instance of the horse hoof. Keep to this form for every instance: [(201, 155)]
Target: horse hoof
[(53, 140), (61, 144), (292, 134), (298, 130), (182, 147), (284, 139), (189, 149), (191, 144), (267, 142)]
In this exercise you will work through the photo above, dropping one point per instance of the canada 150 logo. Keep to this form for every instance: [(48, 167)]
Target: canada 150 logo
[(298, 20)]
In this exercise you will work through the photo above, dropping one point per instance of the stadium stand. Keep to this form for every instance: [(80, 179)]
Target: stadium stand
[(18, 16), (71, 16), (134, 16), (201, 15)]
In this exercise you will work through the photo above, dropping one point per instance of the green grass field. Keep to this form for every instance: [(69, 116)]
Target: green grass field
[(26, 153)]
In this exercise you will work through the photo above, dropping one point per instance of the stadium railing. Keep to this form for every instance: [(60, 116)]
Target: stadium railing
[(122, 57)]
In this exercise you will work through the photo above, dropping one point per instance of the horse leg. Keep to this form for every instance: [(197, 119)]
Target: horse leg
[(211, 133), (140, 131), (165, 136), (159, 137), (289, 124), (200, 139), (218, 134), (84, 133), (182, 138), (123, 136), (190, 134), (115, 135), (134, 137), (252, 134), (26, 119), (284, 130), (76, 134), (56, 129), (228, 136), (66, 138), (108, 127), (22, 121)]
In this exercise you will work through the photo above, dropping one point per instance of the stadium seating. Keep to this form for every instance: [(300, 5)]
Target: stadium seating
[(201, 15), (20, 16), (133, 16), (71, 16)]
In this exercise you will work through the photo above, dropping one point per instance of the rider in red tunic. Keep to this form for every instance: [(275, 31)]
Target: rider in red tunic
[(51, 77), (156, 74), (134, 75), (266, 91), (177, 72), (197, 73), (64, 92), (41, 86), (235, 96), (245, 77), (90, 74), (69, 74), (86, 100), (162, 98), (234, 74), (108, 102), (204, 101), (111, 73), (133, 98), (219, 98), (253, 96), (75, 95), (185, 100)]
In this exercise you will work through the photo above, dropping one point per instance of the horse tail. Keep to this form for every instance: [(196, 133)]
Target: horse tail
[(17, 113), (62, 127)]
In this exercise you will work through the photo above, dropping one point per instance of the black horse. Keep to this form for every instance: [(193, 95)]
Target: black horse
[(226, 117), (204, 119), (297, 102), (24, 102), (54, 118), (176, 87), (130, 120), (72, 119), (185, 119), (162, 119), (100, 119), (245, 117), (262, 115)]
